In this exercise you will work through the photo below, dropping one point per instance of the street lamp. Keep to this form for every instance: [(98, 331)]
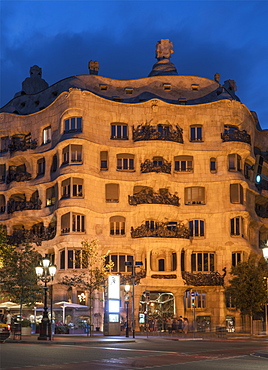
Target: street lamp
[(45, 272), (127, 289), (133, 265)]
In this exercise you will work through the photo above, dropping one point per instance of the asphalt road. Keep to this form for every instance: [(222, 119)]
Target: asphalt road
[(143, 353)]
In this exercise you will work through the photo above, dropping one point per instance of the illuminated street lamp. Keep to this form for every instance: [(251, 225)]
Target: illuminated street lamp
[(133, 265), (127, 289), (45, 272)]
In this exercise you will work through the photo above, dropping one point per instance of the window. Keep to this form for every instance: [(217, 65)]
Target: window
[(197, 228), (167, 86), (4, 144), (72, 221), (195, 87), (234, 162), (236, 193), (51, 195), (112, 193), (76, 259), (213, 165), (72, 153), (129, 90), (161, 264), (194, 195), (236, 258), (229, 301), (72, 187), (196, 133), (47, 135), (104, 161), (202, 262), (54, 165), (158, 161), (119, 131), (183, 163), (125, 162), (2, 204), (73, 124), (117, 225), (2, 172), (237, 224), (41, 166), (195, 299), (103, 87), (247, 170), (151, 225), (119, 262)]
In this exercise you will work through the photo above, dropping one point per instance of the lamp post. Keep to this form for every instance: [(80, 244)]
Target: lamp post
[(265, 255), (45, 272), (127, 289), (133, 266)]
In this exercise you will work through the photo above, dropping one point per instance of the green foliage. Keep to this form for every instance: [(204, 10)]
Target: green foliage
[(17, 272), (248, 288)]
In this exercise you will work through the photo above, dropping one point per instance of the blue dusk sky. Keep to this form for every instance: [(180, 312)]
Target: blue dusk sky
[(226, 37)]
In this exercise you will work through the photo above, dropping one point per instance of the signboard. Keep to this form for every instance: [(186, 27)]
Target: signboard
[(113, 287)]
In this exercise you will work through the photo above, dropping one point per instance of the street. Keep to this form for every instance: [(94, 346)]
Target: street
[(149, 353)]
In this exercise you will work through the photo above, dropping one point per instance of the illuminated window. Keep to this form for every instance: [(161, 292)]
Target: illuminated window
[(117, 225), (51, 195), (202, 262), (73, 124), (47, 135), (119, 131)]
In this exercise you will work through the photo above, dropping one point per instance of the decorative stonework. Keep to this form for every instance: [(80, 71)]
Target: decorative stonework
[(164, 49), (146, 132), (200, 279), (172, 276), (150, 197), (127, 278), (161, 230), (237, 135)]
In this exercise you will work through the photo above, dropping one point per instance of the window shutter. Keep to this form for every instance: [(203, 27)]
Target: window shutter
[(112, 192), (65, 222)]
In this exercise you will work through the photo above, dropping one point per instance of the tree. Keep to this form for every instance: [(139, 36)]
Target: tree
[(247, 288), (95, 274), (17, 272)]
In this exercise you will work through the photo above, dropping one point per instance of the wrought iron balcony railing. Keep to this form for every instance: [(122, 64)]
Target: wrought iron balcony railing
[(201, 279), (146, 132), (151, 166), (161, 230), (17, 175), (151, 197), (21, 143), (21, 236), (236, 135), (15, 205)]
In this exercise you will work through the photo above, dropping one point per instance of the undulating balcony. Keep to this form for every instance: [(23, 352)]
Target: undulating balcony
[(35, 235), (203, 279), (236, 135), (147, 132), (151, 197), (161, 230), (153, 166), (21, 143), (17, 174)]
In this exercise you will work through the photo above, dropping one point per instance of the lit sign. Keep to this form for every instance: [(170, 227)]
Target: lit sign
[(114, 306), (113, 318), (113, 287)]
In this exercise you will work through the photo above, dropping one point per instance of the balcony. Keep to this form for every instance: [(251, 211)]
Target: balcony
[(201, 279), (161, 230), (147, 132), (17, 174), (236, 135), (151, 197), (22, 205), (152, 166), (34, 235), (21, 143)]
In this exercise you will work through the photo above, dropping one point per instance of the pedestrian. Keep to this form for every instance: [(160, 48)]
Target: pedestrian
[(180, 324), (8, 318), (169, 325), (185, 326)]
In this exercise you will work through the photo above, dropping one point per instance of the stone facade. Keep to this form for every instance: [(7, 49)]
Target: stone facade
[(193, 212)]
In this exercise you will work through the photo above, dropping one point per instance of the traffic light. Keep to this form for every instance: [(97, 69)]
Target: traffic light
[(257, 174)]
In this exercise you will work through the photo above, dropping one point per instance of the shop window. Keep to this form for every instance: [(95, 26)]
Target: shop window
[(2, 204), (236, 258), (125, 162), (119, 131), (194, 195), (119, 261), (236, 193), (202, 262), (104, 161), (47, 135), (196, 133), (183, 164), (72, 187), (197, 299), (41, 167), (213, 165), (197, 228), (112, 193), (73, 124), (51, 195), (237, 226), (72, 154), (234, 162), (117, 226)]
